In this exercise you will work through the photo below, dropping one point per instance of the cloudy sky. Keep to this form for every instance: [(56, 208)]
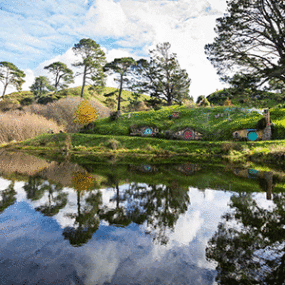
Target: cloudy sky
[(35, 33)]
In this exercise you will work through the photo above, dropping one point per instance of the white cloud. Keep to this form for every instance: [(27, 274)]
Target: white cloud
[(41, 31), (187, 25)]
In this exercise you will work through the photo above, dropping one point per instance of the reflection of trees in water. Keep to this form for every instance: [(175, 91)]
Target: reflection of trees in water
[(159, 205), (56, 200), (249, 245), (118, 216), (162, 205), (7, 197), (36, 188), (87, 220)]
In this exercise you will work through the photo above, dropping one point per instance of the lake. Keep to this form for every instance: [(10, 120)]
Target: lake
[(64, 222)]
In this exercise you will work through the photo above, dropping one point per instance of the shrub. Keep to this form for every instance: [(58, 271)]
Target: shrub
[(204, 103), (21, 127), (7, 104), (45, 100), (189, 104), (114, 116), (141, 106), (27, 101), (62, 111), (113, 144), (85, 113)]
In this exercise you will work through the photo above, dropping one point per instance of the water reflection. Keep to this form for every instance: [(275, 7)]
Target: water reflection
[(140, 223), (249, 245), (7, 197)]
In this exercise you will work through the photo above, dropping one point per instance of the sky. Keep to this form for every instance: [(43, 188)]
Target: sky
[(35, 33)]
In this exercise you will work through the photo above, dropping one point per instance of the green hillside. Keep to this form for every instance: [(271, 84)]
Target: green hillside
[(25, 97), (215, 123), (247, 98)]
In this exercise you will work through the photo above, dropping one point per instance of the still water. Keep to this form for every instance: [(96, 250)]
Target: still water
[(69, 223)]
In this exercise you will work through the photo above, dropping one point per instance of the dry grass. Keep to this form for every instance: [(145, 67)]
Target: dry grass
[(61, 173), (7, 104), (21, 163), (19, 127), (113, 144), (62, 111)]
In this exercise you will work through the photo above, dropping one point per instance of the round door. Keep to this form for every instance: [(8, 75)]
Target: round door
[(252, 136), (188, 135)]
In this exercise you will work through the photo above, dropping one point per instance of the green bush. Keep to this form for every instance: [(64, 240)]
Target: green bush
[(27, 101)]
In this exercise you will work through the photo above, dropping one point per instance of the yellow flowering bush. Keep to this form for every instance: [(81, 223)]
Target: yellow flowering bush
[(85, 113)]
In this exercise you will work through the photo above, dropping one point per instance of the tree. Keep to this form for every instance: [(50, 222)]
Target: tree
[(11, 75), (162, 76), (62, 74), (92, 60), (41, 86), (85, 114), (250, 41), (122, 67)]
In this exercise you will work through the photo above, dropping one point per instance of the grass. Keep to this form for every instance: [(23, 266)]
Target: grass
[(15, 127), (201, 119), (238, 152)]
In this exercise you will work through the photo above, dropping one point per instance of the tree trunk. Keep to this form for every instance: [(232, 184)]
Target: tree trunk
[(84, 79), (169, 101), (118, 195), (5, 87), (119, 97)]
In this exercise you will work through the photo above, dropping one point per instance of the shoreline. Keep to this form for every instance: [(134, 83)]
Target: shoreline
[(271, 152)]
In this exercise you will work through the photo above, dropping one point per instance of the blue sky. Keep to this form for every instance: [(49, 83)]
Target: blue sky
[(35, 33)]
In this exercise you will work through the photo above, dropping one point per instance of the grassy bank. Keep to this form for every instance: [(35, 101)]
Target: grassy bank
[(262, 151)]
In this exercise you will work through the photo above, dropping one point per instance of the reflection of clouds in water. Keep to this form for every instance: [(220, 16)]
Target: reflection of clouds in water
[(130, 255), (194, 228), (4, 184), (127, 255), (187, 228), (262, 202), (103, 259), (21, 193)]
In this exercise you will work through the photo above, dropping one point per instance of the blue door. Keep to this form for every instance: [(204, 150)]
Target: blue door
[(252, 136)]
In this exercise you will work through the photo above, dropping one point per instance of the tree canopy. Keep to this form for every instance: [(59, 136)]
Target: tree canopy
[(62, 74), (162, 77), (11, 75), (250, 41), (41, 86), (92, 59), (122, 67)]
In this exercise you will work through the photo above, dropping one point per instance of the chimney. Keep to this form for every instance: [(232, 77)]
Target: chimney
[(267, 116)]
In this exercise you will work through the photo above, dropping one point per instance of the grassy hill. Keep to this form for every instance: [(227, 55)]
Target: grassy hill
[(26, 97), (247, 98), (215, 123)]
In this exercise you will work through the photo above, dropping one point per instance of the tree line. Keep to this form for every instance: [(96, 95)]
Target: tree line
[(161, 77), (248, 53)]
